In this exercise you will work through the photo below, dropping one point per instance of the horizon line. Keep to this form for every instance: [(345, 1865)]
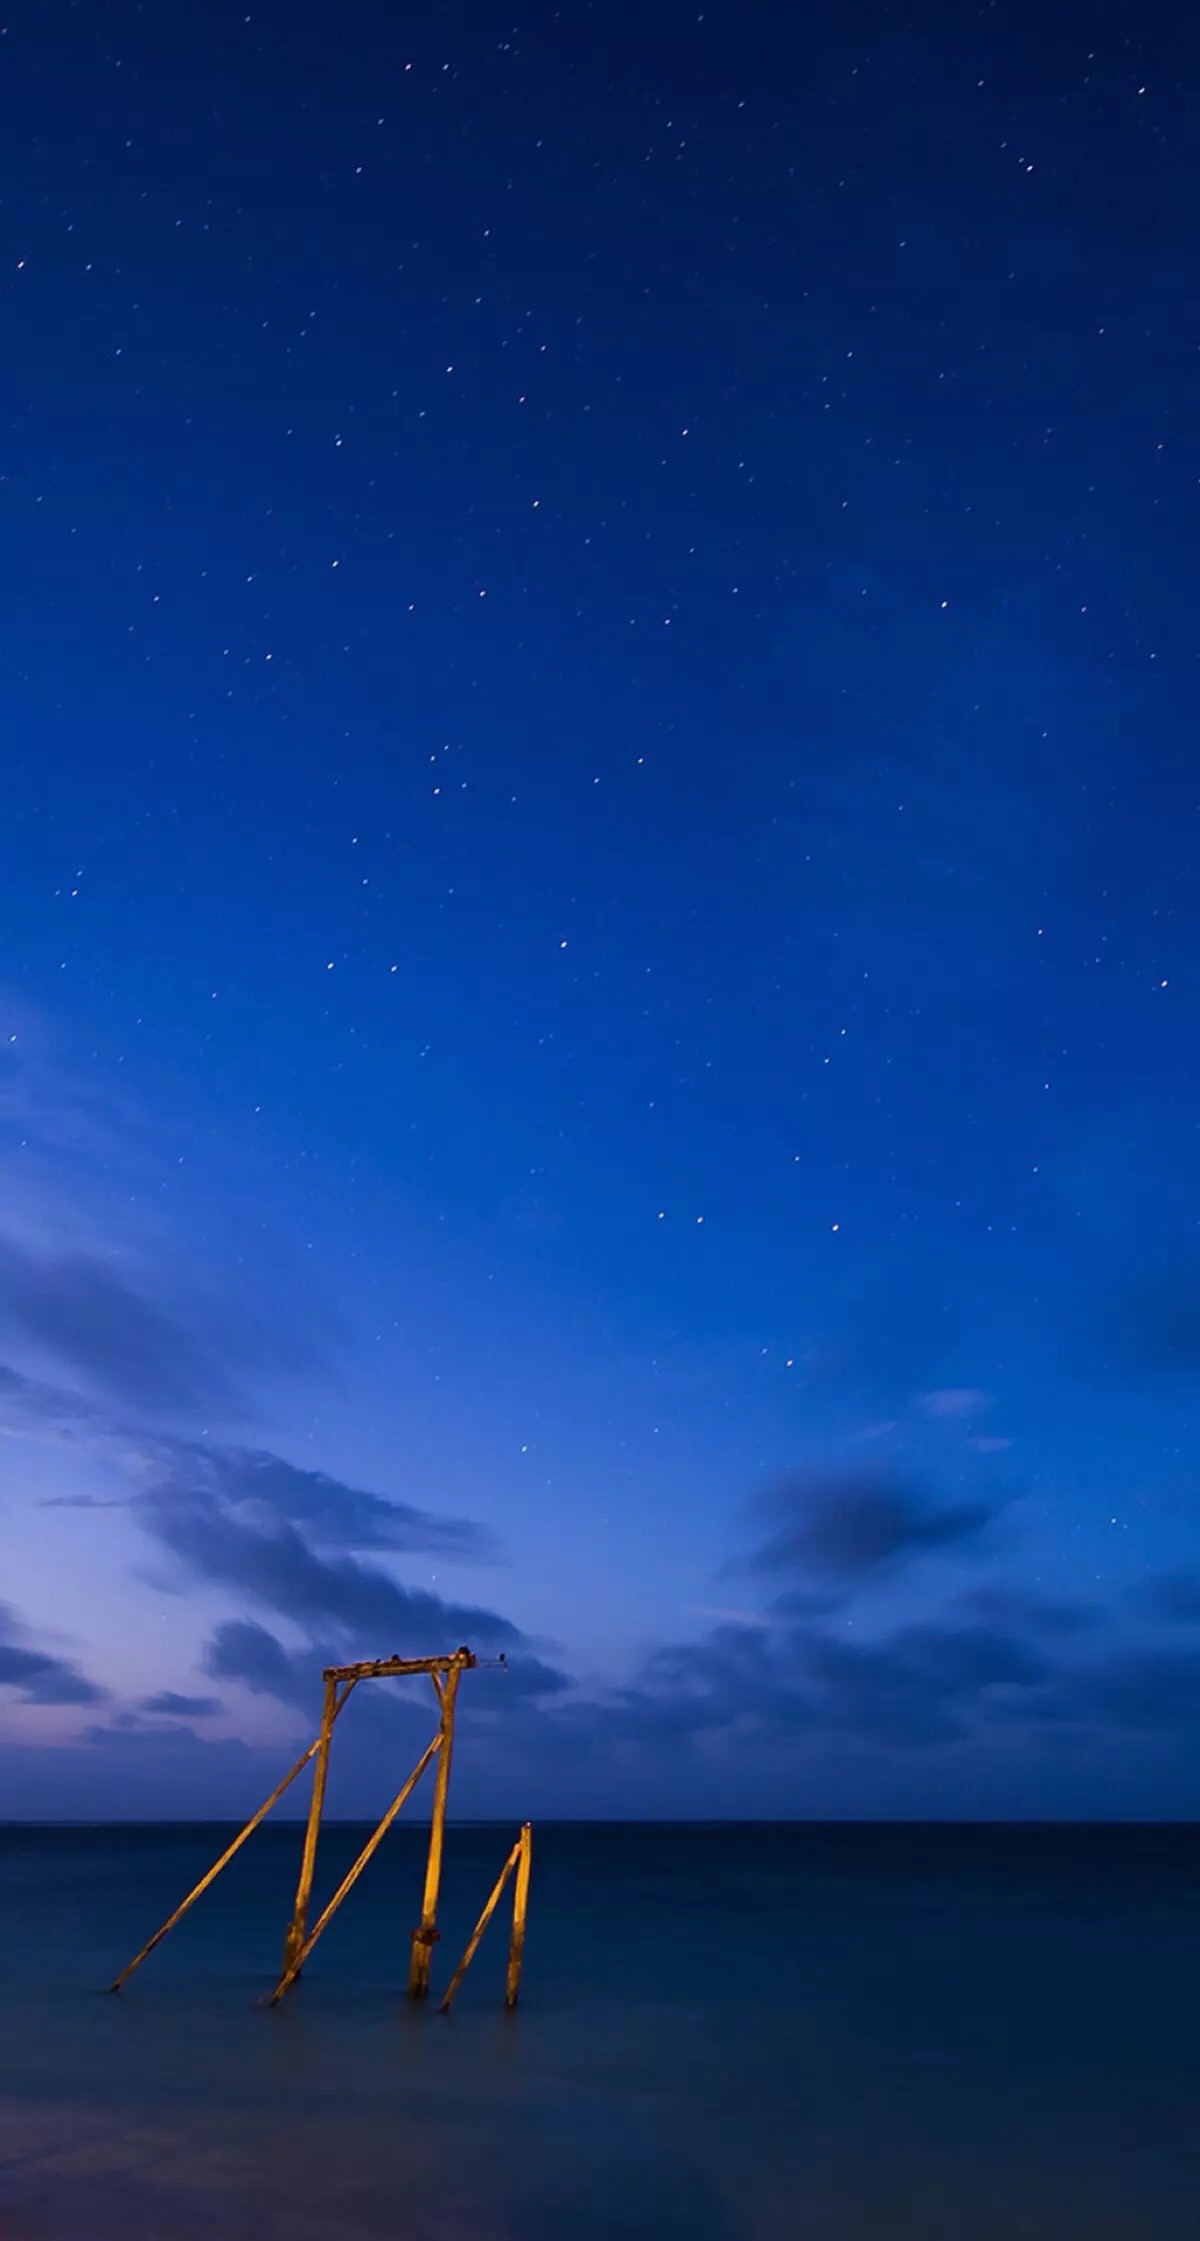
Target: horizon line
[(641, 1821)]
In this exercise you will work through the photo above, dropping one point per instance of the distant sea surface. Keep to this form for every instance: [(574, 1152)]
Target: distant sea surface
[(726, 2034)]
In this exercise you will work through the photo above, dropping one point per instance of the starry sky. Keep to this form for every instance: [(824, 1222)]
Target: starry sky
[(598, 999)]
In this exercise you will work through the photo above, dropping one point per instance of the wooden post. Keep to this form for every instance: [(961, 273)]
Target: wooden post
[(424, 1937), (308, 1858), (516, 1948), (472, 1943), (293, 1967), (217, 1866)]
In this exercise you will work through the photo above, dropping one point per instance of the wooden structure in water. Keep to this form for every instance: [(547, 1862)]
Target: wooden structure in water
[(340, 1682)]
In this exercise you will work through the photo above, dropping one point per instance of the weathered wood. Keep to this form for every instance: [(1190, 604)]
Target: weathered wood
[(490, 1906), (516, 1950), (424, 1937), (312, 1829), (213, 1872), (293, 1967), (385, 1668)]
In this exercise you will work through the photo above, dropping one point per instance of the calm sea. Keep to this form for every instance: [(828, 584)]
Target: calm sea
[(768, 2033)]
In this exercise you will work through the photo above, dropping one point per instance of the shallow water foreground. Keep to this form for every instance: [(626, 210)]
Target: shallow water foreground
[(733, 2034)]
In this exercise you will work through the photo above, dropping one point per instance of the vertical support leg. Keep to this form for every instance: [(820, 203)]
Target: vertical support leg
[(424, 1937), (516, 1950), (352, 1874), (308, 1858)]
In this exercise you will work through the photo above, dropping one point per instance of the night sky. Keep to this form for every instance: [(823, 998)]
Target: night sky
[(599, 990)]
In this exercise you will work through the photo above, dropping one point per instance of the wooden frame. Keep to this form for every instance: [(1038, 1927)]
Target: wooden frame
[(340, 1681)]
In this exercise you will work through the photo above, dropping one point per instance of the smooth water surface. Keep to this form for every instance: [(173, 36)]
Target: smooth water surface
[(766, 2033)]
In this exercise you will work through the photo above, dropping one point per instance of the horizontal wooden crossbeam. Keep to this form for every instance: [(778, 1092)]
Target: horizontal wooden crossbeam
[(384, 1668)]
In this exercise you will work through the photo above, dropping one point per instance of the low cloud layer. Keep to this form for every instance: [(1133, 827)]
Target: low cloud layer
[(791, 1696), (912, 1688), (1028, 1693), (309, 1569)]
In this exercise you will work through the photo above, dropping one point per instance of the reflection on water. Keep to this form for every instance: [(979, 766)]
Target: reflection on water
[(726, 2034)]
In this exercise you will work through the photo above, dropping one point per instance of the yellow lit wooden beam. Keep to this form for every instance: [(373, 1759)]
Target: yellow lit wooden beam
[(490, 1906), (294, 1966)]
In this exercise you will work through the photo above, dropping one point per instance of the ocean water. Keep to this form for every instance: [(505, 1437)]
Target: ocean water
[(726, 2034)]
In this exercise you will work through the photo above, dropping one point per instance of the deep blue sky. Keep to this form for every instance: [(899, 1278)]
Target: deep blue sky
[(598, 888)]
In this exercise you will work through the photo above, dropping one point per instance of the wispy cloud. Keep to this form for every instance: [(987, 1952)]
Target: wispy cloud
[(104, 1330), (242, 1650), (274, 1534), (35, 1674), (131, 1340), (268, 1493), (275, 1566), (850, 1526), (952, 1400), (168, 1704)]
